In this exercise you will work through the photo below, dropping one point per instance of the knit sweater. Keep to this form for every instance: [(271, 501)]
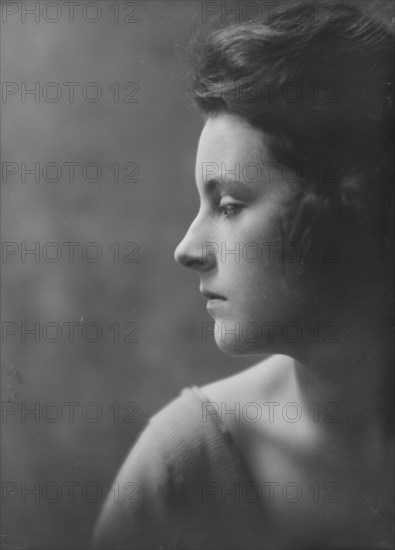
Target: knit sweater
[(183, 486)]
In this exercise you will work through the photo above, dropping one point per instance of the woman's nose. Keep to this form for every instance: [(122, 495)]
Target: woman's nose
[(193, 252)]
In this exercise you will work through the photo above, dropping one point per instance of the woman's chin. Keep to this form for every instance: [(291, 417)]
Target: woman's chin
[(237, 348)]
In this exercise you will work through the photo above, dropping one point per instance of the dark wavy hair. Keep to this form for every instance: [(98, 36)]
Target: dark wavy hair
[(322, 89)]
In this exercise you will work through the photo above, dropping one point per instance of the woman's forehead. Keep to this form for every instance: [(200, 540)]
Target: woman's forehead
[(226, 138)]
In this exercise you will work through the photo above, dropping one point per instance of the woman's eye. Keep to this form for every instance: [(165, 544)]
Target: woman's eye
[(230, 210)]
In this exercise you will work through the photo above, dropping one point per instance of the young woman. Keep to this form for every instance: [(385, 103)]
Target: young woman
[(292, 243)]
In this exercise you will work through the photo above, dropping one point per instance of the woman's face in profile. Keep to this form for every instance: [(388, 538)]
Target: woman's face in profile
[(234, 241)]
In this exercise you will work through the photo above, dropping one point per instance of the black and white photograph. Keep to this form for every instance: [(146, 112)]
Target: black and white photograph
[(197, 275)]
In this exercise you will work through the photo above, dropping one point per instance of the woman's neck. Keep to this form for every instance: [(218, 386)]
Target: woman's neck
[(355, 375)]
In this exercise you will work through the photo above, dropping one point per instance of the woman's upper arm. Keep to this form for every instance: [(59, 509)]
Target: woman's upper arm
[(134, 514)]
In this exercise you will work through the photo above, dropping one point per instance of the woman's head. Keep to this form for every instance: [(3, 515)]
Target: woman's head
[(317, 94)]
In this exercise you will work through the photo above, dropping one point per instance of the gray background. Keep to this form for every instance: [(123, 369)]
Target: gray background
[(160, 134)]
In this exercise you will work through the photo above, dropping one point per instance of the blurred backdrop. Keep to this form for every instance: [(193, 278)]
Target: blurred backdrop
[(98, 150)]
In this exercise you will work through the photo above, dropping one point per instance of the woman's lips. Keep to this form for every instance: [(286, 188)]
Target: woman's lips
[(215, 300), (212, 295), (214, 303)]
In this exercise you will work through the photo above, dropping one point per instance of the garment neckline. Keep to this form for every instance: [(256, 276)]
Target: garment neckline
[(226, 435)]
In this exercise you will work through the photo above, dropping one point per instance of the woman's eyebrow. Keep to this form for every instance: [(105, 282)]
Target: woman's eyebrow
[(229, 183)]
